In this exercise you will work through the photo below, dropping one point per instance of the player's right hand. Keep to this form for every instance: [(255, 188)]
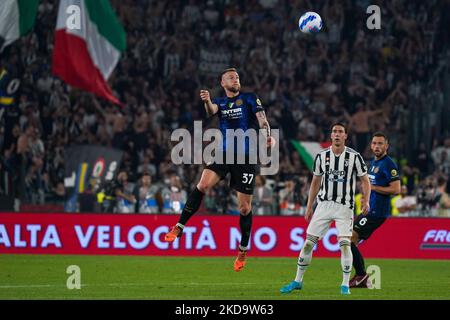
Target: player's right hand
[(365, 207), (308, 214), (204, 95)]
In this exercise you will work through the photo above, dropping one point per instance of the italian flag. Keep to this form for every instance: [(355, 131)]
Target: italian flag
[(88, 45), (308, 150), (16, 19)]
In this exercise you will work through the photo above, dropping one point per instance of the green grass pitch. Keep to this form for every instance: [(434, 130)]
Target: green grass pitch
[(192, 278)]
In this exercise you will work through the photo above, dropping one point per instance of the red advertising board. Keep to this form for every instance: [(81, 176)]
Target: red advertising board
[(114, 234)]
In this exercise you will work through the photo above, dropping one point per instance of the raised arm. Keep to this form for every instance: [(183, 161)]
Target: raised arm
[(264, 124), (210, 107)]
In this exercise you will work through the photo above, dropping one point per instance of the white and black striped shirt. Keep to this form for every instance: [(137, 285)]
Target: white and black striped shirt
[(339, 175)]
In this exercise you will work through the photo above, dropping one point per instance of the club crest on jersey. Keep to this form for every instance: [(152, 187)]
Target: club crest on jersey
[(394, 172), (258, 102), (375, 169), (238, 102), (346, 162)]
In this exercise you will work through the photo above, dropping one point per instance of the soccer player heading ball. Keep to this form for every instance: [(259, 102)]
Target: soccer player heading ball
[(334, 181), (236, 110)]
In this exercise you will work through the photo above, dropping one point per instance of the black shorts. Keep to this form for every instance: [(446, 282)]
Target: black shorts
[(364, 226), (242, 175)]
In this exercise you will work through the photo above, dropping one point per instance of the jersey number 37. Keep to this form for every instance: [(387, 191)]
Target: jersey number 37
[(247, 178)]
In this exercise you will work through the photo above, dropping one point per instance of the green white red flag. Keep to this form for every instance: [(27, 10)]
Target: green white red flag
[(85, 55)]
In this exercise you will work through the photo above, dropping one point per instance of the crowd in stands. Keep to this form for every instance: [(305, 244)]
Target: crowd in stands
[(364, 78)]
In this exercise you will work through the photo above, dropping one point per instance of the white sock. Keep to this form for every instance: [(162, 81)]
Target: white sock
[(346, 260), (180, 225), (305, 256)]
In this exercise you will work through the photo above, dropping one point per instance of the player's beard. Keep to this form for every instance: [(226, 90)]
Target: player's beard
[(235, 88), (379, 153)]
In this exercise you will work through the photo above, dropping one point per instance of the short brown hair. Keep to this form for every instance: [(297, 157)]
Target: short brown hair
[(338, 124), (225, 71), (441, 181), (380, 134)]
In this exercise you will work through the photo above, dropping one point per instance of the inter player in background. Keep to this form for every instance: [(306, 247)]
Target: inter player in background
[(385, 182), (236, 110), (334, 181)]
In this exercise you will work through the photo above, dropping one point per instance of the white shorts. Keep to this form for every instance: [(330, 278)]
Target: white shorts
[(327, 212)]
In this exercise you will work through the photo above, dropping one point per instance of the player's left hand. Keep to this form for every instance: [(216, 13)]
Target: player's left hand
[(271, 142), (365, 207)]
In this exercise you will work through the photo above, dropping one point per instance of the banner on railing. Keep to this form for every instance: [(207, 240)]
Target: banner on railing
[(115, 234), (87, 169)]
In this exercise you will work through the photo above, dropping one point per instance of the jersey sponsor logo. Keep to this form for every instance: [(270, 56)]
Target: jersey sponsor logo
[(394, 172), (232, 113), (336, 172), (239, 102), (336, 175)]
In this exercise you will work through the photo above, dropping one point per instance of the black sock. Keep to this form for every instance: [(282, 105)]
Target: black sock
[(192, 204), (245, 222), (358, 261)]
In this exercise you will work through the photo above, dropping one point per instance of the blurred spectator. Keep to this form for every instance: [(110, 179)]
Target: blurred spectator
[(403, 203), (443, 198), (57, 195), (146, 165), (289, 199), (360, 126), (437, 154), (427, 197), (262, 198), (148, 198), (126, 201), (174, 197), (233, 204)]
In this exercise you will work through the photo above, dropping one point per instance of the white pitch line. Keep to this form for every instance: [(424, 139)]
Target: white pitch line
[(28, 286), (126, 285)]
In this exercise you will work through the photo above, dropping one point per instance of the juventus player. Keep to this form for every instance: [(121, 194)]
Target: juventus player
[(334, 181)]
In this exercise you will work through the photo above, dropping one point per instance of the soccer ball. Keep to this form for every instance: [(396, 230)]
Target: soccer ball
[(310, 22)]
